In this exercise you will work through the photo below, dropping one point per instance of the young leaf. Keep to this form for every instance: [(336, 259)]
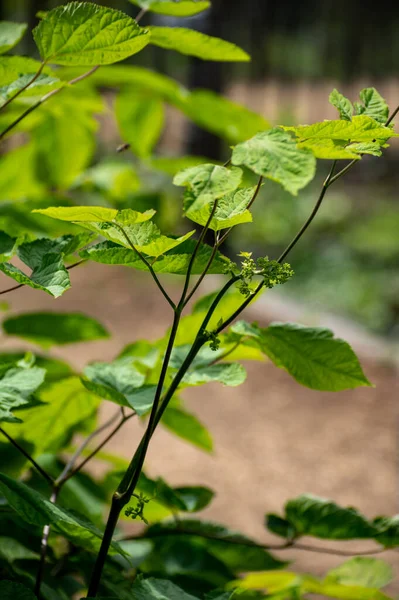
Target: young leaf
[(321, 518), (140, 118), (11, 590), (186, 426), (174, 8), (175, 261), (207, 183), (362, 128), (373, 105), (373, 148), (222, 116), (36, 510), (158, 589), (275, 155), (362, 570), (16, 387), (231, 210), (121, 382), (343, 105), (313, 357), (48, 329), (10, 34), (195, 43), (82, 33)]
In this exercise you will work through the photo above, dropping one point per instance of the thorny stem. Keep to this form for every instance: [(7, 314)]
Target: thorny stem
[(38, 468), (21, 285), (44, 99), (25, 87), (148, 265)]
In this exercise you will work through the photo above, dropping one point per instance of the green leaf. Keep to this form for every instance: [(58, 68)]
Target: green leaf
[(12, 550), (42, 426), (231, 210), (175, 261), (325, 148), (363, 571), (17, 183), (186, 426), (158, 589), (195, 43), (373, 148), (48, 329), (207, 183), (10, 590), (39, 87), (140, 118), (373, 105), (80, 214), (227, 119), (275, 155), (271, 581), (231, 374), (82, 33), (321, 518), (171, 165), (279, 526), (10, 34), (120, 381), (115, 180), (174, 8), (231, 548), (8, 246), (16, 387), (36, 510), (342, 104), (50, 276), (14, 67), (195, 498), (387, 531), (313, 357), (362, 128), (342, 592)]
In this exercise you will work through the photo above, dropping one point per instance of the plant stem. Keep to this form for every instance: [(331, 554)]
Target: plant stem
[(44, 99), (326, 184), (141, 14), (148, 265), (30, 458), (25, 87), (44, 546)]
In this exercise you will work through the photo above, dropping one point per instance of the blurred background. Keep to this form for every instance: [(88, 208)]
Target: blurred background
[(342, 446)]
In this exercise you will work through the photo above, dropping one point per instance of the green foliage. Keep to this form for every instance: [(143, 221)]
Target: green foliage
[(17, 384), (82, 33), (173, 8), (11, 590), (10, 34)]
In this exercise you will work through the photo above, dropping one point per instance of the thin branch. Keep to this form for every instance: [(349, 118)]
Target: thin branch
[(43, 548), (44, 99), (71, 463), (148, 265), (25, 87), (141, 14), (393, 115), (38, 468), (203, 274), (226, 354), (289, 545), (20, 285), (304, 227)]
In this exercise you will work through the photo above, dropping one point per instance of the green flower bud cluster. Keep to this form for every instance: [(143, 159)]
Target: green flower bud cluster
[(137, 512)]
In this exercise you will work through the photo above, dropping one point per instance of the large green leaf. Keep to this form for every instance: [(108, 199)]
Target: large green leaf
[(362, 570), (174, 8), (158, 589), (373, 105), (325, 148), (321, 518), (16, 387), (120, 381), (195, 43), (222, 116), (274, 154), (82, 33), (36, 510), (10, 34), (186, 426), (10, 590), (80, 214), (313, 357), (47, 329), (207, 183), (67, 407), (231, 210), (342, 104), (175, 261), (362, 128), (140, 118)]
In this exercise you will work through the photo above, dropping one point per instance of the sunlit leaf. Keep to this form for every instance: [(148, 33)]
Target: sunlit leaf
[(195, 43), (174, 8), (373, 105), (362, 570), (342, 104), (82, 33), (362, 128), (231, 210)]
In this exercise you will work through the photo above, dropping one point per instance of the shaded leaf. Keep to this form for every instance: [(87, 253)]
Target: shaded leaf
[(10, 34), (82, 33), (186, 426), (12, 550), (362, 570), (279, 526), (275, 155), (48, 329), (158, 589), (231, 210), (195, 43), (16, 387), (387, 532), (10, 590), (39, 87)]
